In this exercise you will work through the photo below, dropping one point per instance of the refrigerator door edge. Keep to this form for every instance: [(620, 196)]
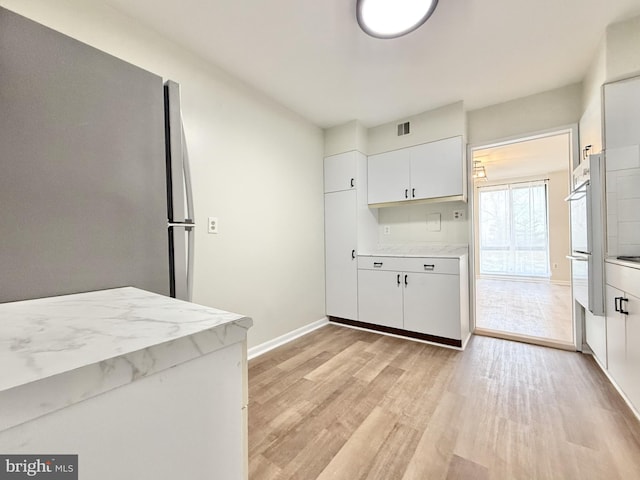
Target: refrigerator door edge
[(174, 153)]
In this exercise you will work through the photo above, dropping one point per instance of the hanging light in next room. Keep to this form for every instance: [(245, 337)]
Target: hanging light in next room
[(479, 172), (393, 18)]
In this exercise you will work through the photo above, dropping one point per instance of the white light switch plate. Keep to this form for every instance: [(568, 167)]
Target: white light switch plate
[(212, 226)]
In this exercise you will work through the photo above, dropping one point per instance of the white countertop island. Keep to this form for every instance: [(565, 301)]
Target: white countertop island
[(77, 371)]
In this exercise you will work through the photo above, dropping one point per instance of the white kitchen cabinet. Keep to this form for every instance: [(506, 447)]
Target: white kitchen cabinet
[(623, 329), (380, 298), (432, 304), (632, 323), (621, 113), (341, 240), (340, 172), (420, 297), (616, 336), (596, 335), (349, 226), (622, 160), (437, 169), (427, 171), (389, 176)]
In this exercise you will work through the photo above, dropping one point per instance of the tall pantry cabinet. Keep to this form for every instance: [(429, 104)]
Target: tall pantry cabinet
[(350, 228)]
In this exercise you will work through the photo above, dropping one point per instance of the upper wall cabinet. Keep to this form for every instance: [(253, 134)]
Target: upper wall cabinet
[(622, 160), (622, 113), (389, 176), (432, 170), (436, 169), (340, 172)]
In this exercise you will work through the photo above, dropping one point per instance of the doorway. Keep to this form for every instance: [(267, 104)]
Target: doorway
[(522, 236)]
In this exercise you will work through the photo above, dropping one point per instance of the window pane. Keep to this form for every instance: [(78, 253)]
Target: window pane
[(514, 230)]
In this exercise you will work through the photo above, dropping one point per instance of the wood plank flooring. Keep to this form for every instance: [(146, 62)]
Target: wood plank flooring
[(344, 404)]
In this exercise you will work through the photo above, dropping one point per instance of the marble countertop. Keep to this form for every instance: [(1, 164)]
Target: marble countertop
[(624, 263), (445, 251), (60, 350)]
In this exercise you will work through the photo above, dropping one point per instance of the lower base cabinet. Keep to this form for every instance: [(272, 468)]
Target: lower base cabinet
[(419, 295), (623, 329), (380, 298), (432, 304)]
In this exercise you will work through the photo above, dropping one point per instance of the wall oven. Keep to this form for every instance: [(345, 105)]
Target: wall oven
[(587, 235)]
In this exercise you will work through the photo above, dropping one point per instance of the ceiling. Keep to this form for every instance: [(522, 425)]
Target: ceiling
[(527, 158), (312, 57)]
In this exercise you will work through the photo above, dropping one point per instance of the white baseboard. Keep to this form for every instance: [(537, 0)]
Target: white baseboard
[(618, 389), (258, 350)]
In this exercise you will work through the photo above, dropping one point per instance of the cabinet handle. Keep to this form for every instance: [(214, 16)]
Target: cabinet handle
[(353, 182), (624, 312), (406, 193), (413, 193), (405, 280), (353, 254), (398, 279), (429, 267), (377, 264), (585, 151), (615, 303)]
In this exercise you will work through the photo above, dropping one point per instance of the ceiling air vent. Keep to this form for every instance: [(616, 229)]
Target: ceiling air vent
[(404, 129)]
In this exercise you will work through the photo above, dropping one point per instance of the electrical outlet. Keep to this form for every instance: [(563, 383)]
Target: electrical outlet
[(458, 215), (387, 229), (213, 225)]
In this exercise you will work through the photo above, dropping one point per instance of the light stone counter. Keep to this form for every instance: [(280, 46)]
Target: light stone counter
[(623, 263), (444, 251), (55, 352)]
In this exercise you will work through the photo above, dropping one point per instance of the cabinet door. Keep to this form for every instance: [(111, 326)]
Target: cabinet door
[(432, 304), (341, 238), (436, 169), (621, 113), (596, 335), (632, 372), (380, 298), (388, 176), (340, 172), (616, 338)]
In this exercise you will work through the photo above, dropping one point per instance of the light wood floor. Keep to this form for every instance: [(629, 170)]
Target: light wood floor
[(535, 309), (343, 404)]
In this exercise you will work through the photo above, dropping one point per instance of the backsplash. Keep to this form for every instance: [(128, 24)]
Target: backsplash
[(623, 212), (418, 224)]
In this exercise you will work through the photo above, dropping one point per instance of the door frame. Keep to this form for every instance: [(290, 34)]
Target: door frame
[(574, 153)]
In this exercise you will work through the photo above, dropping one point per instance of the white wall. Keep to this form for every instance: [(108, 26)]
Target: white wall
[(623, 53), (444, 122), (344, 138), (408, 224), (591, 120), (526, 115), (256, 166)]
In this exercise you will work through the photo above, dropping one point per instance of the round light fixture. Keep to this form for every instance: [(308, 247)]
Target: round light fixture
[(393, 18)]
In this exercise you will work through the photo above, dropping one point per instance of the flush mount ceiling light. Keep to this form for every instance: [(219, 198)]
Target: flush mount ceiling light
[(393, 18)]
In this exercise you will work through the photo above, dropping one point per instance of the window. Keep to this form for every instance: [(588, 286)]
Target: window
[(514, 230)]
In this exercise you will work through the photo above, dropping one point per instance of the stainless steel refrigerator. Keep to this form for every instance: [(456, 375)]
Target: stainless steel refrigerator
[(93, 191)]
